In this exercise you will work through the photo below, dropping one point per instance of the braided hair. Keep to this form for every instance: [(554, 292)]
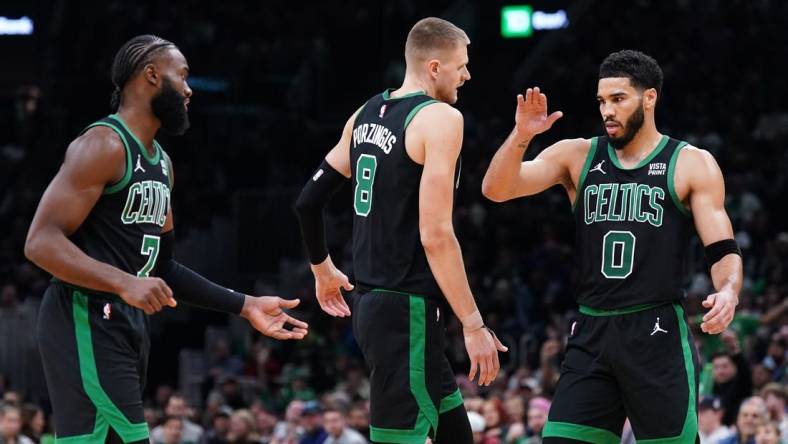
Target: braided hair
[(131, 58)]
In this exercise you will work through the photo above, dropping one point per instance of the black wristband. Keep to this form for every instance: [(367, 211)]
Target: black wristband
[(190, 287), (716, 251), (309, 208)]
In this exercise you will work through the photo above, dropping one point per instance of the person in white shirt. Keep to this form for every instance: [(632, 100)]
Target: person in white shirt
[(338, 432), (710, 427)]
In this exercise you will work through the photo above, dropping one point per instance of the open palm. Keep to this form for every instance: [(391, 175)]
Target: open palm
[(267, 316), (531, 115)]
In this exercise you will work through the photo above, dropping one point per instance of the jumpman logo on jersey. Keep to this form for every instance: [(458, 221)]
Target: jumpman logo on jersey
[(657, 328), (598, 167), (139, 165)]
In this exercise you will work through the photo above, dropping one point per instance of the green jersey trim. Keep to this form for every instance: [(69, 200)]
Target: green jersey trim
[(621, 311), (90, 381), (579, 432), (151, 160), (584, 172), (387, 94), (98, 436), (450, 402), (690, 429), (671, 183), (119, 185), (614, 157), (383, 290), (416, 109)]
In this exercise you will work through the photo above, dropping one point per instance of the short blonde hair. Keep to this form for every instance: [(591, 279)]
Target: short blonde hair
[(433, 34)]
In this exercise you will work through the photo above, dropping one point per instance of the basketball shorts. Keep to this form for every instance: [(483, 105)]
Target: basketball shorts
[(638, 363), (402, 338), (94, 349)]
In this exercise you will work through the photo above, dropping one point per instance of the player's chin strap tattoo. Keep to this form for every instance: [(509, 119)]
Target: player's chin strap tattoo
[(718, 250), (190, 287), (309, 208)]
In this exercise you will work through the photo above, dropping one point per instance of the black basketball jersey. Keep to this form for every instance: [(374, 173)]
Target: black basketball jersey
[(631, 229), (387, 249), (124, 226)]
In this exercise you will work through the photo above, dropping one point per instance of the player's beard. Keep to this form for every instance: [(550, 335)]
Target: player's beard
[(634, 123), (169, 108)]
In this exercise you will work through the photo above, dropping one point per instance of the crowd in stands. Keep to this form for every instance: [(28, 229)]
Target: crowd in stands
[(276, 88)]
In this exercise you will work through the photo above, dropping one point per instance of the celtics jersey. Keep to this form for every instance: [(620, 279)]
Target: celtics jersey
[(124, 226), (632, 230), (387, 250)]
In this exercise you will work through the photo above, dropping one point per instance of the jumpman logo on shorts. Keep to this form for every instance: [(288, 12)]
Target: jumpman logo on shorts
[(657, 328), (139, 165), (598, 167)]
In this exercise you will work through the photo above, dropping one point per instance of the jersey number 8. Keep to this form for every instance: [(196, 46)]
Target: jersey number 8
[(365, 179)]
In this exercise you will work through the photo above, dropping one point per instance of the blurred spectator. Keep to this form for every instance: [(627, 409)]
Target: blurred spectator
[(776, 399), (338, 432), (537, 417), (358, 419), (11, 426), (33, 422), (172, 432), (289, 430), (514, 406), (220, 426), (710, 428), (768, 433), (242, 428), (178, 407), (752, 414), (732, 381), (477, 426), (495, 421), (312, 421)]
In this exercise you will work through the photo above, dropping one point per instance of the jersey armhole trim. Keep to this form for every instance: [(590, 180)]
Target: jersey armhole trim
[(415, 110), (119, 185), (586, 165), (671, 187), (168, 161)]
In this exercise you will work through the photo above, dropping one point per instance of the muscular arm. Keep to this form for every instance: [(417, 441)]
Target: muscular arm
[(441, 127), (707, 202), (92, 161)]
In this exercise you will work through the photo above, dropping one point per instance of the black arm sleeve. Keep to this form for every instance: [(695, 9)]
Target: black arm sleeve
[(309, 208), (190, 287)]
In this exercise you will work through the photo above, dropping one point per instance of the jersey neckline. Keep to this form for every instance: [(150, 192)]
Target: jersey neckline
[(151, 160), (387, 94), (614, 157)]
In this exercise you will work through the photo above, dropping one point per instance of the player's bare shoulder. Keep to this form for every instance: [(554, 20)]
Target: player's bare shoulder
[(694, 167), (438, 114), (97, 155), (571, 155)]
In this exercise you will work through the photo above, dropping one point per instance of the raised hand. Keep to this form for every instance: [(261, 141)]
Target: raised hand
[(531, 116), (328, 282), (266, 315)]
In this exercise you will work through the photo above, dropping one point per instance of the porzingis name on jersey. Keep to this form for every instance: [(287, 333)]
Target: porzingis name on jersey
[(147, 202), (631, 202), (375, 134)]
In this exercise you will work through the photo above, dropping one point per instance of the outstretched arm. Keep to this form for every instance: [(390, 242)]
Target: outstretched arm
[(508, 177), (328, 178), (265, 313), (441, 126), (707, 202), (93, 161)]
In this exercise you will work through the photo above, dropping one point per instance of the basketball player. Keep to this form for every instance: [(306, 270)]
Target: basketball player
[(401, 151), (635, 194), (103, 229)]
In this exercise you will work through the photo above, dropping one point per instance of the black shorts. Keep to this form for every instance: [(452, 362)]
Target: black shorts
[(637, 363), (94, 349), (402, 338)]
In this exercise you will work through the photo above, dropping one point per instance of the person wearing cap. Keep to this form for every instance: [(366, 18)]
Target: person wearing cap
[(312, 421), (220, 426), (537, 417), (710, 426)]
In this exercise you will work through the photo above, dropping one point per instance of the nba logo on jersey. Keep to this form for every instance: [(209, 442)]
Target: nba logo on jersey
[(382, 111), (107, 310)]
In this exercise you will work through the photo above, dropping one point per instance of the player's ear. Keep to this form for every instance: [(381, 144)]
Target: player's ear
[(433, 67), (650, 98), (150, 74)]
